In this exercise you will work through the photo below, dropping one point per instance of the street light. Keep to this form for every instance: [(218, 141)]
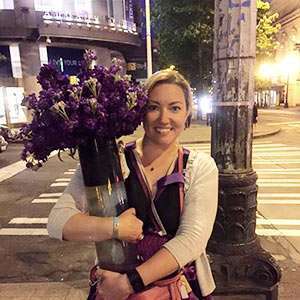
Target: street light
[(289, 66)]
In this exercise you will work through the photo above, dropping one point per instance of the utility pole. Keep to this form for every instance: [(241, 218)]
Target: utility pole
[(239, 264), (148, 38)]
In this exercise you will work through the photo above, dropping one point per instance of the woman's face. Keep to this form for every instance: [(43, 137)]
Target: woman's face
[(166, 115)]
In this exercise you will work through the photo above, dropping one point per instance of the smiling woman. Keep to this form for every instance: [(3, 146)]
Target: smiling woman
[(172, 190)]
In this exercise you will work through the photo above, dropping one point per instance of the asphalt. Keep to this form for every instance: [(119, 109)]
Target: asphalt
[(197, 133)]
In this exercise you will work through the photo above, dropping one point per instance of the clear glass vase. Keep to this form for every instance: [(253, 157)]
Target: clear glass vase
[(106, 197)]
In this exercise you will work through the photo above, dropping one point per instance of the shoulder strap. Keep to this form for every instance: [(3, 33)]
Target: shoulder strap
[(181, 185)]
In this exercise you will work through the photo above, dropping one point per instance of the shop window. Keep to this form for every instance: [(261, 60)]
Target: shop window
[(5, 63), (43, 55)]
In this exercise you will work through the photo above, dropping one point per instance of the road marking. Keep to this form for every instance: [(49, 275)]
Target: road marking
[(276, 173), (23, 231), (72, 170), (284, 123), (63, 179), (46, 195), (263, 180), (280, 202), (271, 162), (279, 195), (268, 154), (267, 184), (45, 200), (261, 221), (279, 232), (69, 173), (28, 221), (13, 169), (59, 184)]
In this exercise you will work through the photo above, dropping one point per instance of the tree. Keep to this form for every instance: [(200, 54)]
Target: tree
[(266, 29), (184, 30)]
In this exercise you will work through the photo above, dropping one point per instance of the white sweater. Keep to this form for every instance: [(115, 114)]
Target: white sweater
[(196, 223)]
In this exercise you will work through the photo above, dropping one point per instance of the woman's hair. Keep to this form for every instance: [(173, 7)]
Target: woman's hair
[(173, 77)]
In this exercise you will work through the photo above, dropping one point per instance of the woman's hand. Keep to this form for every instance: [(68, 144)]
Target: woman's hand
[(113, 285), (130, 228)]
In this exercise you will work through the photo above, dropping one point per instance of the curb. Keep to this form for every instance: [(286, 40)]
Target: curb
[(258, 136)]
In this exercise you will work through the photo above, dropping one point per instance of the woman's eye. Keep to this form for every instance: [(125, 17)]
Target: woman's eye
[(152, 107), (175, 108)]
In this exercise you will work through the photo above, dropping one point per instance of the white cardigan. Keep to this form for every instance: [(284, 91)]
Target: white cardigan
[(196, 223)]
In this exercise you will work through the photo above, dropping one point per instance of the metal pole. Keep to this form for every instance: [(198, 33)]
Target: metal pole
[(148, 39), (239, 264), (286, 104)]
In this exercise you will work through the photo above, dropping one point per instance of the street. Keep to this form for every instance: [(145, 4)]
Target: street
[(28, 255)]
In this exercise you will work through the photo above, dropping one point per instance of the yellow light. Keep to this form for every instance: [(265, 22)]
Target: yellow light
[(290, 64)]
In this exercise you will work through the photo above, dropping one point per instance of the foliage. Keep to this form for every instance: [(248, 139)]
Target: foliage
[(185, 35), (184, 30), (102, 104), (266, 29)]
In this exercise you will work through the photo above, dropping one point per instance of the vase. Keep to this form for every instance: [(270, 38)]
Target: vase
[(106, 197)]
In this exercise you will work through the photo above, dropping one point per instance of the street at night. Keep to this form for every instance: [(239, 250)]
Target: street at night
[(27, 197)]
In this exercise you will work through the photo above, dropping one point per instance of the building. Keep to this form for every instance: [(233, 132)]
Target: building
[(35, 32), (285, 71)]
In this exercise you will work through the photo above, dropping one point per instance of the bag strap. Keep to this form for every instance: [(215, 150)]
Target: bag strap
[(181, 185)]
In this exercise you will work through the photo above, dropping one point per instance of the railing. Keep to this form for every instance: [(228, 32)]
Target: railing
[(99, 22)]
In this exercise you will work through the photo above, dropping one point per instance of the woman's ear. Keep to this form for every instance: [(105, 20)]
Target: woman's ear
[(188, 121)]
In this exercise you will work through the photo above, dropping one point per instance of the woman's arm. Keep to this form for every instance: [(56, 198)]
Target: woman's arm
[(69, 220)]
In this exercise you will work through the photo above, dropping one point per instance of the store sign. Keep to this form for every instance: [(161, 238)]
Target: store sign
[(5, 62), (67, 60)]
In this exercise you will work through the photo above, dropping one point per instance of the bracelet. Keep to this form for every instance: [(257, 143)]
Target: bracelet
[(135, 280), (116, 224)]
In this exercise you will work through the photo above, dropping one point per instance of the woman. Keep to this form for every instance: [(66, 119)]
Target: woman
[(176, 230)]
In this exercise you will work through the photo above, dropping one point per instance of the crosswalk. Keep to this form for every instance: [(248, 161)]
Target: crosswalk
[(278, 213)]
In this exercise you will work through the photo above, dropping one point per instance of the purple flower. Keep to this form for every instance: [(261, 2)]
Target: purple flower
[(102, 104)]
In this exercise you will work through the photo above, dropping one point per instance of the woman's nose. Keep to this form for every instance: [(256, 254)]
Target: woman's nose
[(164, 116)]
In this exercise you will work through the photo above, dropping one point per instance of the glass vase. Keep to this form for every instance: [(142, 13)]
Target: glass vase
[(106, 197)]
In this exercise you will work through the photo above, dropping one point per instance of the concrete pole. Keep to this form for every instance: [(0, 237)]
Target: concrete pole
[(239, 264), (148, 39)]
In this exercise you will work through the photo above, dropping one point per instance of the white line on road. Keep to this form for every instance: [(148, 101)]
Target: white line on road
[(59, 184), (263, 180), (45, 200), (267, 184), (63, 179), (28, 221), (69, 173), (261, 221), (46, 195), (271, 162), (72, 170), (277, 173), (279, 195), (275, 232), (23, 231), (280, 202), (269, 154)]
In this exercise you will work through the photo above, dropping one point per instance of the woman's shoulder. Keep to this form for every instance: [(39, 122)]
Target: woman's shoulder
[(199, 159)]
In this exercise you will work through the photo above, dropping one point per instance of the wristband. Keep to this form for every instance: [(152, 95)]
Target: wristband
[(116, 224), (135, 280)]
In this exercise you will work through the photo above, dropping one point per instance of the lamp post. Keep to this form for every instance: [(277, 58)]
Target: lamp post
[(148, 38), (286, 103), (240, 265)]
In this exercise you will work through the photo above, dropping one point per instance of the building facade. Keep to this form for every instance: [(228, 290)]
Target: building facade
[(285, 72), (35, 32)]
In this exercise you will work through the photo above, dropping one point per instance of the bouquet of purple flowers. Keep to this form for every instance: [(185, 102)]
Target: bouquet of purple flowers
[(100, 104)]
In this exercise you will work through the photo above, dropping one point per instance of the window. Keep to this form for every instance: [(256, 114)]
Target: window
[(15, 60), (6, 4), (48, 5), (43, 55), (110, 8), (83, 7)]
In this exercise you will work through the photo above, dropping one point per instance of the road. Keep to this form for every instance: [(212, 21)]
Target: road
[(27, 198)]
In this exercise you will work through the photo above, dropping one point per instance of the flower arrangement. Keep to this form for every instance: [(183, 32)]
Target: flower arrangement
[(100, 104)]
